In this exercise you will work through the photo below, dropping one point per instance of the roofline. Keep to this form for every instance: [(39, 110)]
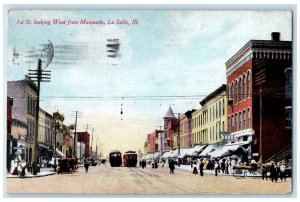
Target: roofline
[(212, 95), (251, 42)]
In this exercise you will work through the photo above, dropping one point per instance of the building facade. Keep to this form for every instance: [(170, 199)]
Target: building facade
[(85, 138), (259, 79), (58, 136), (24, 93), (170, 128), (209, 122)]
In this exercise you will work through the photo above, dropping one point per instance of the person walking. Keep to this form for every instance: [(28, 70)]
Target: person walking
[(201, 166), (171, 166), (216, 167), (86, 165), (264, 172), (282, 172)]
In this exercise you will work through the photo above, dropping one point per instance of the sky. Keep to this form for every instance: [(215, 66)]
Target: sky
[(170, 58)]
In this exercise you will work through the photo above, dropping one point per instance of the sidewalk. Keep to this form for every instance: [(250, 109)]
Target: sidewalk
[(188, 168), (44, 172)]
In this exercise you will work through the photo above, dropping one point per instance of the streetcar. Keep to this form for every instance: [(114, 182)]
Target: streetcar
[(115, 158), (130, 159)]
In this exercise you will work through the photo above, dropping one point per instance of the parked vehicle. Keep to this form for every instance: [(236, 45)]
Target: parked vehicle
[(67, 165)]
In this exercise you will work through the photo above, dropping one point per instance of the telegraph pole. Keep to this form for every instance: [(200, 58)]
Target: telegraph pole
[(75, 144), (92, 144), (56, 126), (76, 116), (38, 76), (260, 79)]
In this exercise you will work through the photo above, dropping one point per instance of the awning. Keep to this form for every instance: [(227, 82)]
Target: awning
[(156, 155), (166, 154), (183, 152), (224, 151), (208, 149), (174, 153), (195, 150)]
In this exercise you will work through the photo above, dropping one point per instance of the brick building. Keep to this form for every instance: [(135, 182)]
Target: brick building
[(85, 138), (170, 127), (264, 65)]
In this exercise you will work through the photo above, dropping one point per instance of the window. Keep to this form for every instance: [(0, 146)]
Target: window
[(220, 129), (216, 110), (288, 82), (232, 92), (216, 131), (236, 122), (241, 127), (220, 108), (213, 112), (245, 87), (240, 90), (210, 114), (232, 123), (249, 115), (244, 124), (223, 126), (288, 117), (236, 92), (249, 85), (223, 107)]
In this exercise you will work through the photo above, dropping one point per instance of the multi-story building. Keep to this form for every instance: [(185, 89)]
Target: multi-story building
[(85, 138), (210, 120), (67, 139), (170, 127), (11, 141), (24, 93), (185, 131), (59, 137), (259, 80)]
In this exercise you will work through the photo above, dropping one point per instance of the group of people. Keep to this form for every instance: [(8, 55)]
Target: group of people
[(274, 172)]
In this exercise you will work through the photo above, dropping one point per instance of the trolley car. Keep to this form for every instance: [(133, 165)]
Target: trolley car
[(115, 158), (130, 159)]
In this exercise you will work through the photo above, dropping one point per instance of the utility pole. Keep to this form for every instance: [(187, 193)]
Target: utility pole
[(56, 126), (38, 76), (178, 139), (260, 127), (260, 79), (75, 144), (97, 148), (92, 144), (76, 115)]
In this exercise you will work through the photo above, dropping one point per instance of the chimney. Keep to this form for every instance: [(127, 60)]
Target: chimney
[(275, 36)]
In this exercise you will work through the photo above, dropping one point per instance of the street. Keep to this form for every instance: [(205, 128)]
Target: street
[(103, 179)]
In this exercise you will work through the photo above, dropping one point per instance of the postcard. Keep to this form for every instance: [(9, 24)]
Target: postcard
[(141, 102)]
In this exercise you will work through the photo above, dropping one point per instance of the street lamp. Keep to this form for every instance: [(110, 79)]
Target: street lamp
[(56, 126)]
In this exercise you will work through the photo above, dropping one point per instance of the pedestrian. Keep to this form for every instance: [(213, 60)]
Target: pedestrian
[(227, 166), (201, 166), (171, 166), (223, 165), (282, 172), (86, 165), (264, 172), (216, 167)]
